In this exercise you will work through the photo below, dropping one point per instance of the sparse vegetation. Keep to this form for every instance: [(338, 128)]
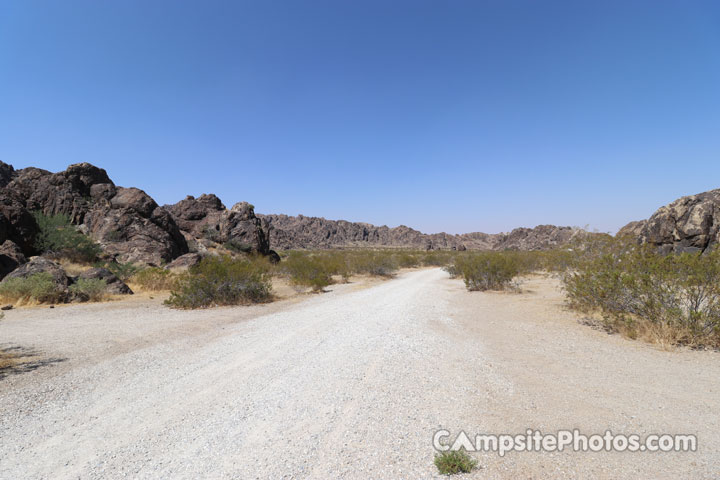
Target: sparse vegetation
[(154, 279), (38, 288), (313, 271), (487, 270), (124, 271), (89, 289), (59, 238), (666, 299), (221, 281), (452, 462)]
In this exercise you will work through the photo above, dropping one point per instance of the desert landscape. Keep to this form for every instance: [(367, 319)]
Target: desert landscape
[(377, 240)]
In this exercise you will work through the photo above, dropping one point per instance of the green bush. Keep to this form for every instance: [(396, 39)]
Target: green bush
[(124, 271), (154, 279), (58, 236), (487, 270), (221, 281), (454, 461), (89, 289), (673, 299), (377, 263), (40, 288), (309, 270)]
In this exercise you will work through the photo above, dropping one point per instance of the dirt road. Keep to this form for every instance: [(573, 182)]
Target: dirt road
[(348, 384)]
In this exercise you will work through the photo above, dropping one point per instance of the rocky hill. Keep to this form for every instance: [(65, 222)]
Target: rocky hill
[(126, 222), (689, 224), (314, 232)]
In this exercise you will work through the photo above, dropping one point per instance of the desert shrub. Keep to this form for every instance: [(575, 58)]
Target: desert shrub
[(309, 270), (236, 246), (454, 461), (40, 288), (89, 289), (154, 279), (58, 237), (124, 271), (487, 270), (673, 299), (221, 281), (376, 263)]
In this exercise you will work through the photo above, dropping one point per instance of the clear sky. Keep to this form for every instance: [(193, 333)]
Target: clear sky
[(450, 116)]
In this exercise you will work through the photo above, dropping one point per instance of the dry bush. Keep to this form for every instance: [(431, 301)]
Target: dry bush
[(37, 288), (221, 281), (154, 279), (89, 290), (639, 293)]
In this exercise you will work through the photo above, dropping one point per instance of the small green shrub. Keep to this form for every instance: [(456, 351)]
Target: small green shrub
[(39, 287), (666, 299), (89, 289), (376, 263), (221, 281), (59, 237), (452, 462), (487, 270), (154, 279), (124, 271), (309, 271), (237, 246)]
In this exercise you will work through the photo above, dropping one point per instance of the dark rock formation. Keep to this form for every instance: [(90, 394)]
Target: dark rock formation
[(207, 221), (632, 229), (41, 265), (114, 284), (127, 223), (689, 224), (184, 262), (313, 232), (11, 257)]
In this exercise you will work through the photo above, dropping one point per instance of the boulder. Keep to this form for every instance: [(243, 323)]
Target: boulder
[(11, 257), (41, 265), (209, 222), (114, 284), (689, 224), (184, 262), (632, 229)]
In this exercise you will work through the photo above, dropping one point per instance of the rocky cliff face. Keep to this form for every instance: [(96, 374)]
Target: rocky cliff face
[(127, 223), (689, 224), (206, 221), (313, 232)]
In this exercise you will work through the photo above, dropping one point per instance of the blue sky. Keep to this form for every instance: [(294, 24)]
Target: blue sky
[(452, 116)]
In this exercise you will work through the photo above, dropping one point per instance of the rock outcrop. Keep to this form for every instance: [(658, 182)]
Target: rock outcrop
[(41, 265), (632, 229), (126, 222), (11, 257), (689, 224), (206, 221), (312, 232)]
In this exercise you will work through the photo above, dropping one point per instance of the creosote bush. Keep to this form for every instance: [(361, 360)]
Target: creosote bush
[(667, 299), (89, 289), (221, 281), (39, 288), (154, 279), (487, 270), (452, 462), (58, 237), (314, 271)]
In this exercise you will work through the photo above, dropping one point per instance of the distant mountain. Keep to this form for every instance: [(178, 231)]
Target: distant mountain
[(288, 232)]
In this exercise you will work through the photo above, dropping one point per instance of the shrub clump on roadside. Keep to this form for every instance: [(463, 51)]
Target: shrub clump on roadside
[(309, 271), (666, 299), (58, 237), (219, 281), (89, 289), (39, 288), (454, 461), (486, 270), (154, 279)]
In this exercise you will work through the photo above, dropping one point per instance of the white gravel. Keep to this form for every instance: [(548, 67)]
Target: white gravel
[(347, 384)]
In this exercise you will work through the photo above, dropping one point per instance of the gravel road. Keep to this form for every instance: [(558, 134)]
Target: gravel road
[(347, 384)]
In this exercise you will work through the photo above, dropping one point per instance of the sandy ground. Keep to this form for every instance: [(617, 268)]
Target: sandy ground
[(347, 384)]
